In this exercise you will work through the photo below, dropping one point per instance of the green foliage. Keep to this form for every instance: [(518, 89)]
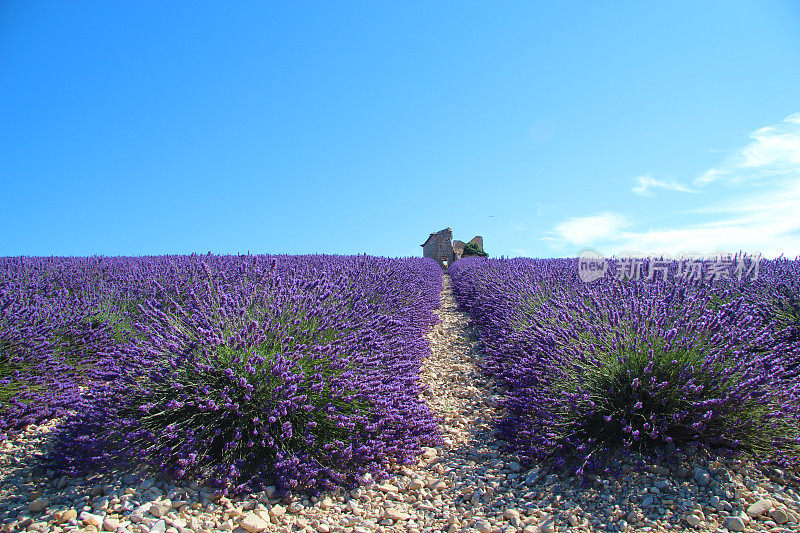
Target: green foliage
[(471, 249), (14, 373), (617, 379), (787, 312)]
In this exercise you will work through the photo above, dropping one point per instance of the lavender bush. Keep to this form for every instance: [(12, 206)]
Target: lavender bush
[(241, 370), (637, 364)]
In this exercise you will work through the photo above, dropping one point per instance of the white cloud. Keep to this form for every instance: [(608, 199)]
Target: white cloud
[(763, 215), (767, 222), (586, 230), (774, 151), (645, 184)]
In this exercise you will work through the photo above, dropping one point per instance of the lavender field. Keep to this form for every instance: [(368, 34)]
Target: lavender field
[(359, 393)]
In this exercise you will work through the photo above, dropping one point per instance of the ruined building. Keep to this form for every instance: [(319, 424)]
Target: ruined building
[(441, 247)]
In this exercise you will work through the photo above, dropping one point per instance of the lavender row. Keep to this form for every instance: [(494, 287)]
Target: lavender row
[(644, 365), (298, 371)]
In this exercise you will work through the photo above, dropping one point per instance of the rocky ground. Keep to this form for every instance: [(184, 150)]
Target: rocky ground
[(470, 483)]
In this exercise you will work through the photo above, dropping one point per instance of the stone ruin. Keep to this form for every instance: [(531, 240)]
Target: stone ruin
[(441, 247)]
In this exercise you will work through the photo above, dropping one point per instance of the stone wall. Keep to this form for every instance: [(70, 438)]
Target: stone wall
[(439, 247), (458, 249)]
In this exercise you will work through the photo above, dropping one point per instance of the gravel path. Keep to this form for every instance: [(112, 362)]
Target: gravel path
[(469, 483)]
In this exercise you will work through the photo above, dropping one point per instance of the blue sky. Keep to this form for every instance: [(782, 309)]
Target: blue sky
[(132, 128)]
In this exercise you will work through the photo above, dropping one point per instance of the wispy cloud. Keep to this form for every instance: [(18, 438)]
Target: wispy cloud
[(645, 185), (587, 230), (766, 222), (760, 214), (773, 152)]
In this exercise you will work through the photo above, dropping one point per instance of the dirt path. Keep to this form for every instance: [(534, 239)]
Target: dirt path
[(481, 480)]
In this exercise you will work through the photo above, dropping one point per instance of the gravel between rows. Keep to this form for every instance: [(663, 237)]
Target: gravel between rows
[(469, 483)]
